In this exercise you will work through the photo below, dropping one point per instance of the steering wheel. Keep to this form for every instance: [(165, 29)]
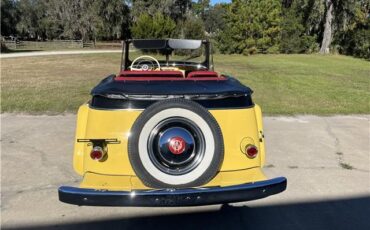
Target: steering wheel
[(141, 63)]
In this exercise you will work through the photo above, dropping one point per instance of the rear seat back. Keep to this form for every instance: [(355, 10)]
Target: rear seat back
[(201, 74), (151, 74)]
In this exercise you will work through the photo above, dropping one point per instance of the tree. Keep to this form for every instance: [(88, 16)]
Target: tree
[(9, 17), (251, 26), (242, 26), (328, 33), (175, 9), (353, 36), (214, 20), (89, 19), (179, 9), (76, 19), (112, 19), (31, 19), (294, 38), (157, 26), (193, 28), (201, 8), (340, 17)]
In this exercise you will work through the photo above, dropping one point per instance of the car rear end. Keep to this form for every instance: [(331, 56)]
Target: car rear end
[(131, 153)]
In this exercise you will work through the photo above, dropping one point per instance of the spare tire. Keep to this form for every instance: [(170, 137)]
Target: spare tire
[(175, 143)]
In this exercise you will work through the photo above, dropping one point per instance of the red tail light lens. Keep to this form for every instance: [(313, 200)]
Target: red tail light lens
[(251, 151), (97, 153)]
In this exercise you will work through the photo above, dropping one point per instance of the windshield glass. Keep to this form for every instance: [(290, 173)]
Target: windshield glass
[(195, 55), (189, 54)]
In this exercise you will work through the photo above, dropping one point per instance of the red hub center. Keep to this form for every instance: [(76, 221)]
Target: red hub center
[(177, 145)]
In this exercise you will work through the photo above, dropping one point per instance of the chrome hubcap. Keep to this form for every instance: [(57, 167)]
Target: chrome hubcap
[(176, 146)]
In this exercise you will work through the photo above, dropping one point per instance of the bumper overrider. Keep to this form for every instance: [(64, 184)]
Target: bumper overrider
[(173, 197)]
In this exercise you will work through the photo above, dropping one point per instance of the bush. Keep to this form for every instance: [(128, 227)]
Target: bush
[(4, 49), (273, 49), (250, 51)]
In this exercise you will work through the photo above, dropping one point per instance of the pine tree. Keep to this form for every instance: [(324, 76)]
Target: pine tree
[(252, 26), (157, 26)]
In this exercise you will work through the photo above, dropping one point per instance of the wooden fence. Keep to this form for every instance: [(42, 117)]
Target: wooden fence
[(46, 45)]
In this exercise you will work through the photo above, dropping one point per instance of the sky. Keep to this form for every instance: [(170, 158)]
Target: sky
[(219, 1)]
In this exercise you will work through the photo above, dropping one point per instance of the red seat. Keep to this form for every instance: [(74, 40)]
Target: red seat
[(167, 76), (201, 74), (127, 75)]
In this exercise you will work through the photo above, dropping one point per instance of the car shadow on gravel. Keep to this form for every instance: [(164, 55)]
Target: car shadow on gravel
[(351, 213)]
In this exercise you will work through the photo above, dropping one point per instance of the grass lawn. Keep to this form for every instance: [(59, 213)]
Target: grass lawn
[(282, 84)]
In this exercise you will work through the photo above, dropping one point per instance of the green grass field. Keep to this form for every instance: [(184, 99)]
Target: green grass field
[(282, 84)]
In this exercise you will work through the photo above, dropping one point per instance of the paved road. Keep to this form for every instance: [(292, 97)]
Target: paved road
[(46, 53), (326, 160)]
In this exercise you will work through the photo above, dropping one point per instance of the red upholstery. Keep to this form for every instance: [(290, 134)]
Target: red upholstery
[(151, 74), (201, 74), (166, 76), (149, 79)]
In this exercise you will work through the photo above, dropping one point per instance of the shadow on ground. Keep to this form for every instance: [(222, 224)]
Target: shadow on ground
[(335, 214)]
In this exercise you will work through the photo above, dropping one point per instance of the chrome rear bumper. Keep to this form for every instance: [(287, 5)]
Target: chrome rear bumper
[(173, 197)]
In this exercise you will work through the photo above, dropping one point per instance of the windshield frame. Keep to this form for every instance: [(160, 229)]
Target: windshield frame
[(207, 64)]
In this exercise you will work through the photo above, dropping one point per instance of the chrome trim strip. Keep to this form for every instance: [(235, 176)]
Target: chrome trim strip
[(134, 109), (170, 96)]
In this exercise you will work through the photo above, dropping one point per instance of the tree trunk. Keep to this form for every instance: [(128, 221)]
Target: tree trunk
[(326, 41)]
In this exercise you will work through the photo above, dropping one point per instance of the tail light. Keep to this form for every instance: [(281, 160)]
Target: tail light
[(251, 151), (97, 153)]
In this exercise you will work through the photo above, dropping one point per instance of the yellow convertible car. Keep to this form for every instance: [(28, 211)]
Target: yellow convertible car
[(169, 132)]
